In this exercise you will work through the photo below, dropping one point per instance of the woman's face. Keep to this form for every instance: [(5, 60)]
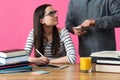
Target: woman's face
[(50, 17)]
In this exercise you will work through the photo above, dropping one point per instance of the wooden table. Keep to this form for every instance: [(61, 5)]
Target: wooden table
[(70, 73)]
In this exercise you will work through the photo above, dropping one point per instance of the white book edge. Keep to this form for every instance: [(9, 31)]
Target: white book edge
[(13, 60), (108, 68), (108, 62), (11, 54), (109, 54)]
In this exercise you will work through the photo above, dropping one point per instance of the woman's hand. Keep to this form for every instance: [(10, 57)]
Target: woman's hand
[(39, 61)]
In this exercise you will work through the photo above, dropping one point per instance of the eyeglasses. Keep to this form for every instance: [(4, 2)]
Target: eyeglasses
[(52, 13)]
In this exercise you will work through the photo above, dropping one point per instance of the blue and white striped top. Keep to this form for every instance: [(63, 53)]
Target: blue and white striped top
[(66, 46)]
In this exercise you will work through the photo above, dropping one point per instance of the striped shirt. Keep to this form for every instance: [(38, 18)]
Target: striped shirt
[(66, 46)]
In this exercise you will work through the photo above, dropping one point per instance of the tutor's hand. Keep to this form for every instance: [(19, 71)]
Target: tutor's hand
[(88, 23), (79, 31)]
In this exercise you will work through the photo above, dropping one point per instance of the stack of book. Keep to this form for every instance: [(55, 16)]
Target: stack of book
[(15, 60), (106, 61)]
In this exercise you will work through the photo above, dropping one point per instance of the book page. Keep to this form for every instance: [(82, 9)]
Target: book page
[(109, 54)]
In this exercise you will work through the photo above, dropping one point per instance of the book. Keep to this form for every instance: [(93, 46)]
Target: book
[(16, 69), (14, 65), (12, 60), (105, 57), (12, 53), (106, 54), (108, 61), (107, 68)]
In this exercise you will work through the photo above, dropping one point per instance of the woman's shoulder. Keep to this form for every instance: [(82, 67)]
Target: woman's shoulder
[(31, 31), (61, 30)]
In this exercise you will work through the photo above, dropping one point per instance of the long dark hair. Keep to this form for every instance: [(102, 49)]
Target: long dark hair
[(39, 31)]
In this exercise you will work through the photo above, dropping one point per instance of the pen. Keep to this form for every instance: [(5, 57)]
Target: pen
[(62, 67), (39, 52)]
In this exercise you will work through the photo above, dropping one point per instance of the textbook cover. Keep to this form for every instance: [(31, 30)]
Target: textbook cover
[(20, 64), (12, 53), (16, 70)]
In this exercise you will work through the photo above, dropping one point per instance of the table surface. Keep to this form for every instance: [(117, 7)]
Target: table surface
[(70, 73)]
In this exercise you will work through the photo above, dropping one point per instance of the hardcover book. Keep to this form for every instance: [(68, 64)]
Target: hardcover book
[(106, 57), (20, 64), (12, 60), (16, 69), (106, 54), (107, 68), (12, 53)]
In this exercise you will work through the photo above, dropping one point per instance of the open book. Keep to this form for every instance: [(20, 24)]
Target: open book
[(106, 57), (106, 54)]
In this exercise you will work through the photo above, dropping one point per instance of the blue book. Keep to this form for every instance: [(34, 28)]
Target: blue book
[(16, 70), (26, 63), (12, 60)]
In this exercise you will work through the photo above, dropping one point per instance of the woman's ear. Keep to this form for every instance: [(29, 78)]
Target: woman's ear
[(42, 21)]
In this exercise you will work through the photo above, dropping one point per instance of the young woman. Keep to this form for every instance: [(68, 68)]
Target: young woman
[(52, 42)]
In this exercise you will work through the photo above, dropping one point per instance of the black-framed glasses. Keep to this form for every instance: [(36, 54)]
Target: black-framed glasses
[(52, 13)]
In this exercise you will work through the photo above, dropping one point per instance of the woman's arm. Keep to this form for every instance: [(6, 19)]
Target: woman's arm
[(39, 61), (29, 43), (28, 48), (70, 50), (60, 60)]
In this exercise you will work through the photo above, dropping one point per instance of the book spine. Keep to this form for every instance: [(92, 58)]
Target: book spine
[(18, 68), (14, 65), (14, 60), (13, 56), (94, 59)]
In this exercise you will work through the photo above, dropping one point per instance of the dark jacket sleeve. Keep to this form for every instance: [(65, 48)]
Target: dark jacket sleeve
[(69, 19), (112, 20)]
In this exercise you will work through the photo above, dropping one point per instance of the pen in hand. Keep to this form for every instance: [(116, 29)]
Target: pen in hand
[(46, 60), (39, 52)]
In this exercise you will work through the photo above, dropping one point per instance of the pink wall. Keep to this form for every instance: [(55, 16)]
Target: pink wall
[(16, 20)]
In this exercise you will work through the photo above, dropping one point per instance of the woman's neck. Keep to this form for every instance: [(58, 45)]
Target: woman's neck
[(48, 30)]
